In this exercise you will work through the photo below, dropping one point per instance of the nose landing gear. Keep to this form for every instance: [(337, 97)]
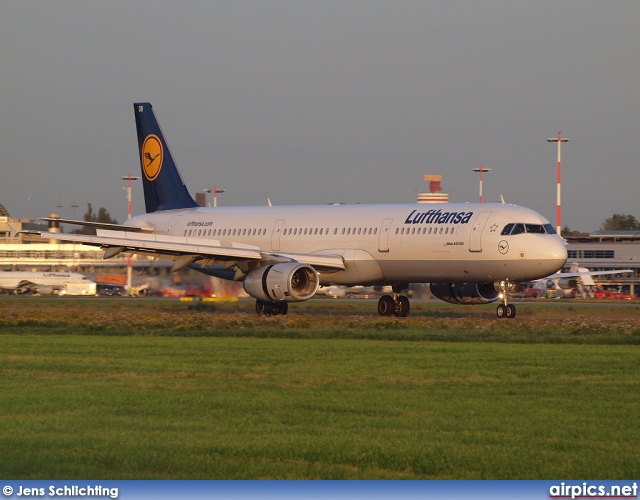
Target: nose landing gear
[(505, 310)]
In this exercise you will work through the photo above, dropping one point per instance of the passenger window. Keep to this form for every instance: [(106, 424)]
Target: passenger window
[(397, 229), (375, 230), (335, 231), (518, 229)]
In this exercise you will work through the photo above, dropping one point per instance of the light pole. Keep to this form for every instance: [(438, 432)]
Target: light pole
[(481, 169), (559, 140), (129, 178), (215, 192)]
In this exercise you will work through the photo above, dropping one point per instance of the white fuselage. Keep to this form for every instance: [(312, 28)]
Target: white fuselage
[(381, 244), (11, 280)]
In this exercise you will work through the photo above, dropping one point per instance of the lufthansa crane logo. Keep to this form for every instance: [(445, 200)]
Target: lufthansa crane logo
[(503, 247), (152, 156)]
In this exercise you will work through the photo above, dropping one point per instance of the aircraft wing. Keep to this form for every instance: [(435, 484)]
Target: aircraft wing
[(590, 273), (185, 251), (98, 225)]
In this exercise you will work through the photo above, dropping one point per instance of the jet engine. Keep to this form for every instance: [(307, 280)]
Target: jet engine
[(289, 282), (564, 283), (465, 293)]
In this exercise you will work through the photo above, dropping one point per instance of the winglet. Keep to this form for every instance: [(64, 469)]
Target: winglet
[(13, 231), (161, 180)]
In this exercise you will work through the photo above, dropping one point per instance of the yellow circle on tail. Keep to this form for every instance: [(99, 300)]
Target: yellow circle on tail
[(152, 156)]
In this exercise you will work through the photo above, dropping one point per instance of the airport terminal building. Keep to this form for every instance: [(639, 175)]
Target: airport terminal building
[(607, 251)]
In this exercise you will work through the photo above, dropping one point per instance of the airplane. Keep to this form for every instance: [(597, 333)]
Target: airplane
[(470, 253), (44, 283), (573, 283)]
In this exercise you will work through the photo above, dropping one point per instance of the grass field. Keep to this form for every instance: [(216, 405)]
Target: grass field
[(135, 389)]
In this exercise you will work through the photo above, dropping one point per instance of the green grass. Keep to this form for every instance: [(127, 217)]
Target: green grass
[(163, 390)]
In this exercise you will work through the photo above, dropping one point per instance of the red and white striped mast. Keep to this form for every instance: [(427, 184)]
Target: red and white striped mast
[(128, 190), (481, 169), (559, 140)]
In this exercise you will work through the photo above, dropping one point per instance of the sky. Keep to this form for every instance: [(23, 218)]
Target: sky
[(312, 102)]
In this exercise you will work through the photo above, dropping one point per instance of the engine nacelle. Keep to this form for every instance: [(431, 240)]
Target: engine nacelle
[(44, 290), (289, 282), (565, 283), (465, 293)]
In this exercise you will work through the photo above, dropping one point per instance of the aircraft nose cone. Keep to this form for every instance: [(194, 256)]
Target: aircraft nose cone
[(555, 254)]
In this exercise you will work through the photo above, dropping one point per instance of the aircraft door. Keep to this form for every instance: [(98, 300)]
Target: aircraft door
[(173, 223), (475, 240), (275, 236), (383, 237)]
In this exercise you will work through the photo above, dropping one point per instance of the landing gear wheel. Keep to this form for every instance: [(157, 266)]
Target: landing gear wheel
[(386, 306), (280, 308), (511, 311), (501, 312), (264, 308), (402, 307)]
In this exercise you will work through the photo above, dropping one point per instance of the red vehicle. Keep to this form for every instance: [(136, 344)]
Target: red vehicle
[(601, 293), (622, 296), (533, 293)]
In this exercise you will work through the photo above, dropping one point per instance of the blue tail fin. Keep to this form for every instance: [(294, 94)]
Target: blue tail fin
[(163, 186)]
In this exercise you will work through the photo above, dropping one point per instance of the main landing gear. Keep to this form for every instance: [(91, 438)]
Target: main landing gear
[(271, 308), (397, 306), (505, 310)]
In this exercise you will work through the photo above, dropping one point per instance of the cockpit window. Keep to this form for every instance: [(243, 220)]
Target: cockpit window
[(507, 229), (514, 228), (535, 228)]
